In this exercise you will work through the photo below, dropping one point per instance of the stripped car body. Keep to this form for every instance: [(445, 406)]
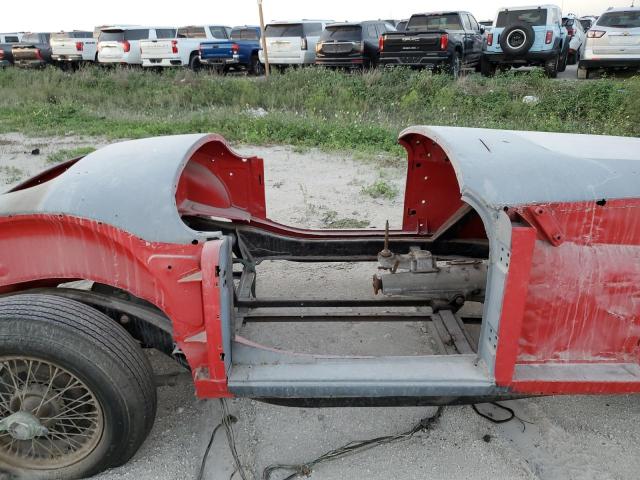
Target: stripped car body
[(551, 225)]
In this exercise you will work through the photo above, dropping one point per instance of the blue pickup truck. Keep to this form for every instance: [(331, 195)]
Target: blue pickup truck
[(240, 52)]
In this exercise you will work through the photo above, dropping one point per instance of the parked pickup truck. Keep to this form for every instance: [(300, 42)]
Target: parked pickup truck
[(238, 53), (34, 51), (453, 40), (183, 50), (73, 47)]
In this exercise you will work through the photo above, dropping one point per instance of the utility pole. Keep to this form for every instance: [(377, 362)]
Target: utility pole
[(263, 40)]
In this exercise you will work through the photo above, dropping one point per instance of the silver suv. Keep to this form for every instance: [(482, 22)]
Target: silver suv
[(612, 42)]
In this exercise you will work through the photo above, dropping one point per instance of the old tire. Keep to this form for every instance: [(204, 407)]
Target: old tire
[(194, 62), (487, 68), (256, 68), (551, 66), (517, 39), (84, 379)]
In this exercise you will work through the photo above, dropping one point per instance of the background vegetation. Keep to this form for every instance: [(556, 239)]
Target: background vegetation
[(307, 107)]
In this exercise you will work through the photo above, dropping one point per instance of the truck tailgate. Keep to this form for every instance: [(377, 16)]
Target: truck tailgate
[(156, 48), (411, 42), (25, 52), (213, 50), (65, 46)]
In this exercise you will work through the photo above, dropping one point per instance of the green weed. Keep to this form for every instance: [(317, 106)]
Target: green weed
[(308, 107)]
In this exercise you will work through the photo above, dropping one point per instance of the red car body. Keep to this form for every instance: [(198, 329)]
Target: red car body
[(561, 231)]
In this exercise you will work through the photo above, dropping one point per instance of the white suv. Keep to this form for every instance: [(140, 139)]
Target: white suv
[(292, 43), (122, 44), (612, 42)]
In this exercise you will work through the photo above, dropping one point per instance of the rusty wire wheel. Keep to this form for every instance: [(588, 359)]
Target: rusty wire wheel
[(51, 418)]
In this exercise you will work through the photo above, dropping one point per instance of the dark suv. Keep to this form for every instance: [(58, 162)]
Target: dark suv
[(351, 45)]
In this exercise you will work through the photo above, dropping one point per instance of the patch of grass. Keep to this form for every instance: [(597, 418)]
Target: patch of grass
[(308, 107), (330, 220), (381, 189), (68, 154), (11, 174)]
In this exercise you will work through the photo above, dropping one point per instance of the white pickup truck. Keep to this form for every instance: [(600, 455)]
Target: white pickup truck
[(183, 50), (73, 47)]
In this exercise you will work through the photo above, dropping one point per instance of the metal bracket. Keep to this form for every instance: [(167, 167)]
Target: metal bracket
[(546, 224)]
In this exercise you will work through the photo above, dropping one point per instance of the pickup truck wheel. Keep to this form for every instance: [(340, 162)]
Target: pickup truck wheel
[(487, 69), (194, 62), (551, 66), (455, 65), (76, 392), (583, 73), (257, 68)]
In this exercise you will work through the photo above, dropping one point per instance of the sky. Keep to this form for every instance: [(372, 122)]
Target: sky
[(47, 15)]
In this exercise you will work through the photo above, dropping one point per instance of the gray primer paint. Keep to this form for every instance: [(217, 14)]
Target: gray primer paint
[(508, 168), (130, 185)]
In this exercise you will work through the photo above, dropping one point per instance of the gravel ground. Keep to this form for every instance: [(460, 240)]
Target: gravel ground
[(563, 437)]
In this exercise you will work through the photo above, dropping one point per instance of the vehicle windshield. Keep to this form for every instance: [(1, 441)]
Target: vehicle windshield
[(284, 30), (568, 22), (447, 21), (586, 24), (537, 16), (60, 35), (402, 26), (31, 38), (630, 19), (245, 34), (342, 32), (191, 32)]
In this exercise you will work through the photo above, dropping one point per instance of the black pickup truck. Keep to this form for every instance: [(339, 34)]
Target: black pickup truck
[(449, 40)]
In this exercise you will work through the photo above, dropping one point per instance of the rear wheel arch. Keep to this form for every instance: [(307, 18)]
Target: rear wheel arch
[(143, 321), (146, 272)]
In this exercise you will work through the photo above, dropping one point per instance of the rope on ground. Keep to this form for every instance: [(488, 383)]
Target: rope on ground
[(227, 423), (510, 412), (351, 448)]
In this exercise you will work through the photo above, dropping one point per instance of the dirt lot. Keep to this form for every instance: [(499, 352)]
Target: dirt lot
[(564, 438)]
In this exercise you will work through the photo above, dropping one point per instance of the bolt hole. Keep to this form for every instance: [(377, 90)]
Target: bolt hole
[(412, 211), (418, 165), (194, 242), (169, 267), (601, 203)]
